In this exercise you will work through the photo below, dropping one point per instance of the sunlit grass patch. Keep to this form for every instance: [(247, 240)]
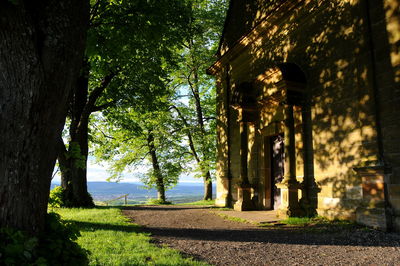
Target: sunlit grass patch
[(157, 202), (319, 220), (112, 240), (200, 203), (222, 209), (233, 219), (314, 224), (298, 220)]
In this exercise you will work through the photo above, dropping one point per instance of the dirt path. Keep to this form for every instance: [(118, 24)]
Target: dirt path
[(197, 232)]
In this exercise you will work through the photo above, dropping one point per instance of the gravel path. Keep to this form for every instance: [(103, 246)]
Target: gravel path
[(199, 233)]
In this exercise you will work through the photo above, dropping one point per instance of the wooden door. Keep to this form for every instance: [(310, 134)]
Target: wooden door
[(277, 168)]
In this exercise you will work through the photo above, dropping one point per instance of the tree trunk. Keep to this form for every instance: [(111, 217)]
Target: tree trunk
[(156, 168), (65, 166), (207, 186), (74, 167), (41, 47), (73, 172), (81, 196), (206, 174), (200, 123)]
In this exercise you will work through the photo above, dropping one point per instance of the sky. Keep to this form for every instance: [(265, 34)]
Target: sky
[(97, 172)]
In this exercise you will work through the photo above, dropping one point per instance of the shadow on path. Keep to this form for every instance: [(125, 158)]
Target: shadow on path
[(161, 222), (280, 236)]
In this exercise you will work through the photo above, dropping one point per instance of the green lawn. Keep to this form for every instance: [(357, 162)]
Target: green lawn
[(112, 240)]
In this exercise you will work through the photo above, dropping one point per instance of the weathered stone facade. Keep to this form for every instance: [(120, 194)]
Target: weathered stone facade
[(324, 76)]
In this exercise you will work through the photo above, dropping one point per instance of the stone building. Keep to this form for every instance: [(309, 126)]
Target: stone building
[(309, 109)]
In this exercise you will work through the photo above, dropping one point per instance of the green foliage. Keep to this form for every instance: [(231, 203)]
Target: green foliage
[(113, 240), (136, 40), (130, 147), (16, 248), (170, 171), (158, 65), (55, 246), (56, 198)]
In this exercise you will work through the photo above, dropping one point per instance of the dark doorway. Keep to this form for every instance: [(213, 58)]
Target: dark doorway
[(277, 168)]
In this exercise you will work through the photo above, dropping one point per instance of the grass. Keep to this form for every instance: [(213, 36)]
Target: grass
[(302, 220), (200, 203), (319, 220), (157, 202), (315, 224), (222, 209), (234, 219), (112, 240)]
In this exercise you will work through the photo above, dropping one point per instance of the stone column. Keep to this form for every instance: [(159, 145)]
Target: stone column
[(244, 189), (309, 200), (289, 185), (243, 153), (290, 149)]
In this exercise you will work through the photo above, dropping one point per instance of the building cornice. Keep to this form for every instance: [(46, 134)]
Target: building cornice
[(267, 25)]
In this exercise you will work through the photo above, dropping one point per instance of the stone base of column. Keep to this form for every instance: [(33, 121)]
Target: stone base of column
[(244, 202), (290, 206), (224, 200), (309, 200)]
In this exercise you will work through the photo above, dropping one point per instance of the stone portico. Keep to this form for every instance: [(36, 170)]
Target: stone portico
[(306, 123)]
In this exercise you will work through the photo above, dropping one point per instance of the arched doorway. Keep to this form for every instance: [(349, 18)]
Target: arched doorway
[(282, 124)]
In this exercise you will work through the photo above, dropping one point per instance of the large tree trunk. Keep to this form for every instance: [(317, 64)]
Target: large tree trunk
[(156, 168), (74, 166), (41, 48)]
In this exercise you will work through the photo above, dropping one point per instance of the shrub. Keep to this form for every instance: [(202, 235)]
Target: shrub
[(55, 246), (56, 198)]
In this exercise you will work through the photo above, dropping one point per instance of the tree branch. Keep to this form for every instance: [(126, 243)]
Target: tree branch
[(137, 160), (95, 94), (97, 108), (104, 134), (189, 135)]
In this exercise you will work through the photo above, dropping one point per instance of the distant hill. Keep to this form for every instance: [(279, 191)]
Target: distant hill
[(103, 191)]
